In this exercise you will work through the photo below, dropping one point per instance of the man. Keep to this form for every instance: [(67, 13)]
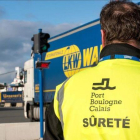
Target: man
[(103, 102)]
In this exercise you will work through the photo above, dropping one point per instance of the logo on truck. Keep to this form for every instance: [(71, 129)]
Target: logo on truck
[(71, 60), (75, 60)]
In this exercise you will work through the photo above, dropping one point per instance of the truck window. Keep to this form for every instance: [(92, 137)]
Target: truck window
[(25, 76)]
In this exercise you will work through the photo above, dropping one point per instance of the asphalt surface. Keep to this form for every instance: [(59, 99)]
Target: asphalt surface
[(12, 115)]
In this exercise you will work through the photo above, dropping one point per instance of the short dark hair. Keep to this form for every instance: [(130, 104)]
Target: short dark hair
[(121, 21)]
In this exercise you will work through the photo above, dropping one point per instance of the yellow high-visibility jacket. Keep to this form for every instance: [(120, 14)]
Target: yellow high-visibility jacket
[(102, 102)]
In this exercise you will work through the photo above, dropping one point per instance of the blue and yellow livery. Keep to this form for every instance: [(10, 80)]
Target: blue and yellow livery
[(69, 53)]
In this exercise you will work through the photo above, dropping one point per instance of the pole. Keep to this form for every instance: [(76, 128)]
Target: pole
[(41, 99), (41, 104)]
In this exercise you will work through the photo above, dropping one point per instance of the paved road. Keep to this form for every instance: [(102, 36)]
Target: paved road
[(12, 115)]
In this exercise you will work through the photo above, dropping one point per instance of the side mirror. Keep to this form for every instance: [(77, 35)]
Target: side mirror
[(21, 75)]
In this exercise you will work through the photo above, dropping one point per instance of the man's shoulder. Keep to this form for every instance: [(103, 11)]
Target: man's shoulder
[(84, 73)]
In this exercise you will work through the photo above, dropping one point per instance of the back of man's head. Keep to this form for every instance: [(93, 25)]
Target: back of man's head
[(120, 21)]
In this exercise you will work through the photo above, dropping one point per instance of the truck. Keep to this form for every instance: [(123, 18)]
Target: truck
[(11, 94), (11, 97), (69, 53)]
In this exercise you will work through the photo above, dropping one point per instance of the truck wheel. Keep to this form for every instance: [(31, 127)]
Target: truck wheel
[(31, 113), (13, 104)]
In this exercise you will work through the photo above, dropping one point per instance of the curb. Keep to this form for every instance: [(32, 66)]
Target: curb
[(20, 131)]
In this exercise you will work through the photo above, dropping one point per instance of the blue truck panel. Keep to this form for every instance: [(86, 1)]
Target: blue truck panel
[(75, 51)]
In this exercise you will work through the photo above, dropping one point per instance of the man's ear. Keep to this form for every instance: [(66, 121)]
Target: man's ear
[(103, 37)]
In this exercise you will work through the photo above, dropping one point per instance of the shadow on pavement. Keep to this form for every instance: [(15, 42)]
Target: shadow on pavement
[(10, 108)]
